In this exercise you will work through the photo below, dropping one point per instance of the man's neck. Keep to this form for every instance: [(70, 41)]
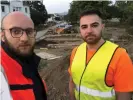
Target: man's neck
[(95, 46)]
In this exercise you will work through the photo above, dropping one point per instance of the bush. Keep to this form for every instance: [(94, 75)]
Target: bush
[(113, 24), (130, 21), (130, 30)]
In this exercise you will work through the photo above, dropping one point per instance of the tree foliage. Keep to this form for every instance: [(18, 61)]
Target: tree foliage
[(121, 9), (76, 7), (126, 9), (38, 12)]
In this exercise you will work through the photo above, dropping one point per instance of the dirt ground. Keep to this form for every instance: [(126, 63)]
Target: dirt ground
[(55, 72)]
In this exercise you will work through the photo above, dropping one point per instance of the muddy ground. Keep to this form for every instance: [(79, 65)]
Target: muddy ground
[(54, 72)]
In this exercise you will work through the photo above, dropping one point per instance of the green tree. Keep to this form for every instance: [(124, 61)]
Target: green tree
[(126, 9), (114, 11), (38, 12), (76, 7)]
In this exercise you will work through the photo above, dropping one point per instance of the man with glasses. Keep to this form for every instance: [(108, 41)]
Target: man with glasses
[(18, 58)]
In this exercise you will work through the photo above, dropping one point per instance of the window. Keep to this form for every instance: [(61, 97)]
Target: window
[(16, 8), (18, 0), (3, 8), (26, 10)]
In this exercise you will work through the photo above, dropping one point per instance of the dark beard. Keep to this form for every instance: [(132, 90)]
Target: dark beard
[(95, 41), (15, 52)]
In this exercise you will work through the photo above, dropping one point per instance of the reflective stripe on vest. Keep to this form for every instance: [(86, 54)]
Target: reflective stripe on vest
[(93, 92), (21, 87), (94, 72)]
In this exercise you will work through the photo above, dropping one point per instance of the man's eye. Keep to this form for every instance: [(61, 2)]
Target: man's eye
[(16, 31), (83, 27), (95, 25), (29, 31)]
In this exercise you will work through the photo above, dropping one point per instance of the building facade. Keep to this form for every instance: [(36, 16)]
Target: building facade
[(13, 5)]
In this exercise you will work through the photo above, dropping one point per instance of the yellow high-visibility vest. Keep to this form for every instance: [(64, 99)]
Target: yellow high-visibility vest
[(92, 85)]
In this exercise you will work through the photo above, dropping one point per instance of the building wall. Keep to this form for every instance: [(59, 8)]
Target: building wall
[(6, 11), (27, 12), (50, 19), (18, 5), (14, 6), (6, 8)]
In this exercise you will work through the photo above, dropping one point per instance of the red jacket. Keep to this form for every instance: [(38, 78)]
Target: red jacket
[(21, 86)]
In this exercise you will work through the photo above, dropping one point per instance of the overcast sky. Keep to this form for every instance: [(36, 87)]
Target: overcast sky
[(57, 6)]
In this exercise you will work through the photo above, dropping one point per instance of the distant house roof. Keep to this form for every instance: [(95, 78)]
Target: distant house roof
[(5, 2)]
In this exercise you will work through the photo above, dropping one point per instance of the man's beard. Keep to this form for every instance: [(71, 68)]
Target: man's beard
[(92, 39), (17, 51)]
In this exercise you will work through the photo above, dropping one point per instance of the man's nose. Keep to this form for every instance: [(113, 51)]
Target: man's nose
[(89, 29), (24, 37)]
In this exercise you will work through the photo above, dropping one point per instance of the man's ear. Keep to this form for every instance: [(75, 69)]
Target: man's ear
[(2, 36), (103, 26)]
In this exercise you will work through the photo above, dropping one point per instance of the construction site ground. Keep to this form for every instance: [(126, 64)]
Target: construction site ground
[(55, 51)]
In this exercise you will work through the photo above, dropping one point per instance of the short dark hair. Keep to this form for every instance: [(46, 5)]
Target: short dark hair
[(91, 12)]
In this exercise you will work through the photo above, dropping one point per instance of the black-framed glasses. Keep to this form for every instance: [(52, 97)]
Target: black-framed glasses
[(18, 32)]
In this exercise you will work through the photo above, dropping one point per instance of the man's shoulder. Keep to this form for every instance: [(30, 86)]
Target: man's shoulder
[(120, 53), (121, 50), (75, 48)]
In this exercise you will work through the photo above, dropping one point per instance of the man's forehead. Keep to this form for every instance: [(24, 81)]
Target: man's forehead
[(90, 19), (13, 15), (16, 17)]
